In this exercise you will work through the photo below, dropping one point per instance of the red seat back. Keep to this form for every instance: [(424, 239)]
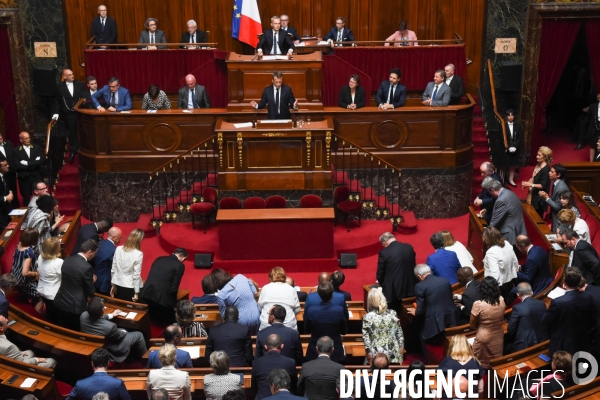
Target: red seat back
[(210, 195), (275, 202), (230, 203), (311, 201), (341, 193), (254, 203)]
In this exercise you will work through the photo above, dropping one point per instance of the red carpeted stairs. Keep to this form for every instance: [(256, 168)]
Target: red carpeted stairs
[(67, 190)]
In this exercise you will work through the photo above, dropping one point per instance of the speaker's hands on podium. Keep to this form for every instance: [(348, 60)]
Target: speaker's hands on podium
[(296, 105), (254, 104)]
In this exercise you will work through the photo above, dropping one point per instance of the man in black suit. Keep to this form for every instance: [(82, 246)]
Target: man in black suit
[(593, 130), (434, 304), (337, 280), (283, 43), (594, 291), (92, 87), (104, 260), (391, 93), (7, 151), (91, 231), (321, 368), (456, 84), (262, 367), (290, 338), (285, 26), (557, 177), (29, 160), (585, 257), (465, 301), (232, 338), (162, 284), (525, 325), (76, 286), (280, 384), (571, 318), (485, 200), (395, 267), (104, 28), (339, 33), (192, 35), (192, 95), (8, 283), (68, 93), (301, 295), (278, 97), (597, 155), (536, 270), (6, 195)]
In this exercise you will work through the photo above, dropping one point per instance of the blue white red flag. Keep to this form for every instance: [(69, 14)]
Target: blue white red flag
[(245, 22)]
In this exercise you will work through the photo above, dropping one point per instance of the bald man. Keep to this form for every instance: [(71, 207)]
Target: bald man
[(68, 93), (314, 298), (485, 200), (192, 95), (104, 259)]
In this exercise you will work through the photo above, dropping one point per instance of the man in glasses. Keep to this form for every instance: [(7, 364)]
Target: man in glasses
[(116, 97), (39, 189), (104, 28)]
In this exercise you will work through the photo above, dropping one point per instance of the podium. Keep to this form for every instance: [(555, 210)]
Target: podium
[(248, 76), (274, 158)]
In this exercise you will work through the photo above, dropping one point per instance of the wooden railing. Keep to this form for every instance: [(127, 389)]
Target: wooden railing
[(495, 106)]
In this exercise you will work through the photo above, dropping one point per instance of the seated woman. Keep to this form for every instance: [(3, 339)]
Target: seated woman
[(221, 380), (500, 261), (460, 356), (560, 378), (184, 315), (352, 96), (567, 202), (402, 35), (381, 329), (465, 258), (155, 99), (278, 292)]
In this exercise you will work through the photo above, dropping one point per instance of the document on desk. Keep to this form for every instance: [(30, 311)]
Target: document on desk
[(18, 211), (28, 382), (193, 350), (243, 125), (131, 315), (151, 111), (556, 293), (270, 58), (275, 121), (350, 315)]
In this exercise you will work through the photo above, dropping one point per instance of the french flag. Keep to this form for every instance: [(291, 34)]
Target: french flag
[(245, 22)]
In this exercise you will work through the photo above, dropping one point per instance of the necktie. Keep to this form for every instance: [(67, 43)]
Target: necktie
[(391, 94), (151, 38), (339, 39), (112, 99), (102, 24), (275, 44), (277, 100), (434, 93)]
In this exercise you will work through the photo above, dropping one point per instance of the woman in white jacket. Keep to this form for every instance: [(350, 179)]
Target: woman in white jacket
[(126, 270), (500, 261)]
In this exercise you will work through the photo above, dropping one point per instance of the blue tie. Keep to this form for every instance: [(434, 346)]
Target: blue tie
[(434, 93)]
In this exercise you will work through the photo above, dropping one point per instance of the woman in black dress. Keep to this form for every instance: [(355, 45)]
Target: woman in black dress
[(539, 181), (352, 96), (514, 136)]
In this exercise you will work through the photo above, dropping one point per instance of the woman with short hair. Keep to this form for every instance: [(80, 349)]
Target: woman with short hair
[(221, 380), (155, 99), (381, 329), (126, 269), (464, 257), (352, 96), (185, 313), (487, 316), (402, 36), (560, 378), (174, 381), (278, 292)]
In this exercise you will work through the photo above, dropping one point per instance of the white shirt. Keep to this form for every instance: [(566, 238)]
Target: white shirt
[(449, 79), (70, 87), (193, 38), (278, 293), (127, 268), (501, 263), (50, 277), (582, 229), (27, 150), (2, 149), (464, 257), (510, 128)]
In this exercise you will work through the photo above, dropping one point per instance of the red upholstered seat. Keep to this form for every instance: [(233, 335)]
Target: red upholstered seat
[(593, 225), (63, 389), (275, 202), (230, 203), (583, 211), (346, 207), (311, 201), (254, 203), (205, 208)]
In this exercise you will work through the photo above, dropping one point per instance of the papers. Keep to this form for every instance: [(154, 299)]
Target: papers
[(120, 313), (28, 382), (151, 111), (125, 112), (243, 125), (551, 236), (274, 121), (301, 44), (557, 247), (556, 293), (187, 111), (322, 42), (131, 315), (350, 314), (193, 350), (270, 58), (18, 211)]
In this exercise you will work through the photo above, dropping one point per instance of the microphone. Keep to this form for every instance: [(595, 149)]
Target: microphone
[(254, 118), (255, 55)]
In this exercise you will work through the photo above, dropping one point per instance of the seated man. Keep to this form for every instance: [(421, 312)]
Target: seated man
[(455, 83), (391, 93), (465, 301), (337, 280), (116, 97), (437, 93), (290, 338), (152, 35), (10, 350), (119, 343), (443, 263), (192, 95), (192, 35), (525, 326), (339, 33), (261, 367), (320, 368), (172, 336), (275, 41), (210, 292), (232, 338), (100, 381)]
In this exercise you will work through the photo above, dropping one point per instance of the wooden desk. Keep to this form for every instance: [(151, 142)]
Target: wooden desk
[(141, 322), (283, 233), (530, 356), (44, 386), (585, 177), (475, 240), (68, 240)]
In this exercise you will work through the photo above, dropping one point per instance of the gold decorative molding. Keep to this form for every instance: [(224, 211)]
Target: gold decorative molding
[(240, 142), (271, 134), (308, 140), (220, 141), (328, 145)]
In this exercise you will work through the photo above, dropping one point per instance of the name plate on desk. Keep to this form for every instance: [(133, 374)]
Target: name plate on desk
[(274, 123)]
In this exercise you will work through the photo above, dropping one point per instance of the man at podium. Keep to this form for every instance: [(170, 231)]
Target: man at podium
[(278, 97), (275, 41)]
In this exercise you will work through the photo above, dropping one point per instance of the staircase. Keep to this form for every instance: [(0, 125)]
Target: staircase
[(67, 190)]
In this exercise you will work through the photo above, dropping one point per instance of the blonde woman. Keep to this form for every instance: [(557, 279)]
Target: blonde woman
[(539, 181), (278, 292), (465, 258), (126, 270), (500, 261), (460, 356), (381, 329), (50, 274)]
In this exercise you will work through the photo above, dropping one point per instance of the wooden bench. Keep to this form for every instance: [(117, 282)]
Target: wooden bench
[(507, 365), (45, 384), (589, 391), (68, 240)]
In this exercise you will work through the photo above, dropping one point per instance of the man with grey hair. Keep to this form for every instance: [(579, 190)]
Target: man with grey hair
[(192, 35), (395, 270), (525, 326), (435, 306), (285, 27), (10, 350), (192, 95), (485, 200), (104, 28), (101, 396), (507, 215), (322, 367), (280, 384), (262, 367), (275, 41)]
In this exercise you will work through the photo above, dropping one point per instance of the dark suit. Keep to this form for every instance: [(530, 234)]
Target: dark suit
[(593, 130), (123, 103), (100, 381), (200, 37), (199, 97), (347, 295), (86, 232), (286, 101), (536, 270), (234, 339), (585, 257), (487, 200), (65, 104), (594, 291), (326, 319), (395, 273), (444, 263), (11, 175), (526, 324), (469, 296), (285, 395), (538, 202), (514, 139), (284, 42), (183, 360), (30, 173), (456, 85), (103, 265), (292, 347), (205, 299), (262, 367), (301, 295), (106, 36), (553, 201), (5, 205), (117, 341), (436, 305), (159, 37), (293, 32), (76, 286), (3, 305), (507, 216), (442, 97), (570, 322), (314, 299), (161, 286), (345, 98), (384, 90), (321, 367), (347, 35)]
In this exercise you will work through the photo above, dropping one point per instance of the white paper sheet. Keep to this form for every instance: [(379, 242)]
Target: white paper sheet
[(193, 350), (28, 382), (243, 125)]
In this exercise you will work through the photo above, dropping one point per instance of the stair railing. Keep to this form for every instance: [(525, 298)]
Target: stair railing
[(499, 118)]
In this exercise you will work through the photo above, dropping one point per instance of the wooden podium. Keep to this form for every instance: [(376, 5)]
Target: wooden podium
[(276, 158), (247, 79)]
